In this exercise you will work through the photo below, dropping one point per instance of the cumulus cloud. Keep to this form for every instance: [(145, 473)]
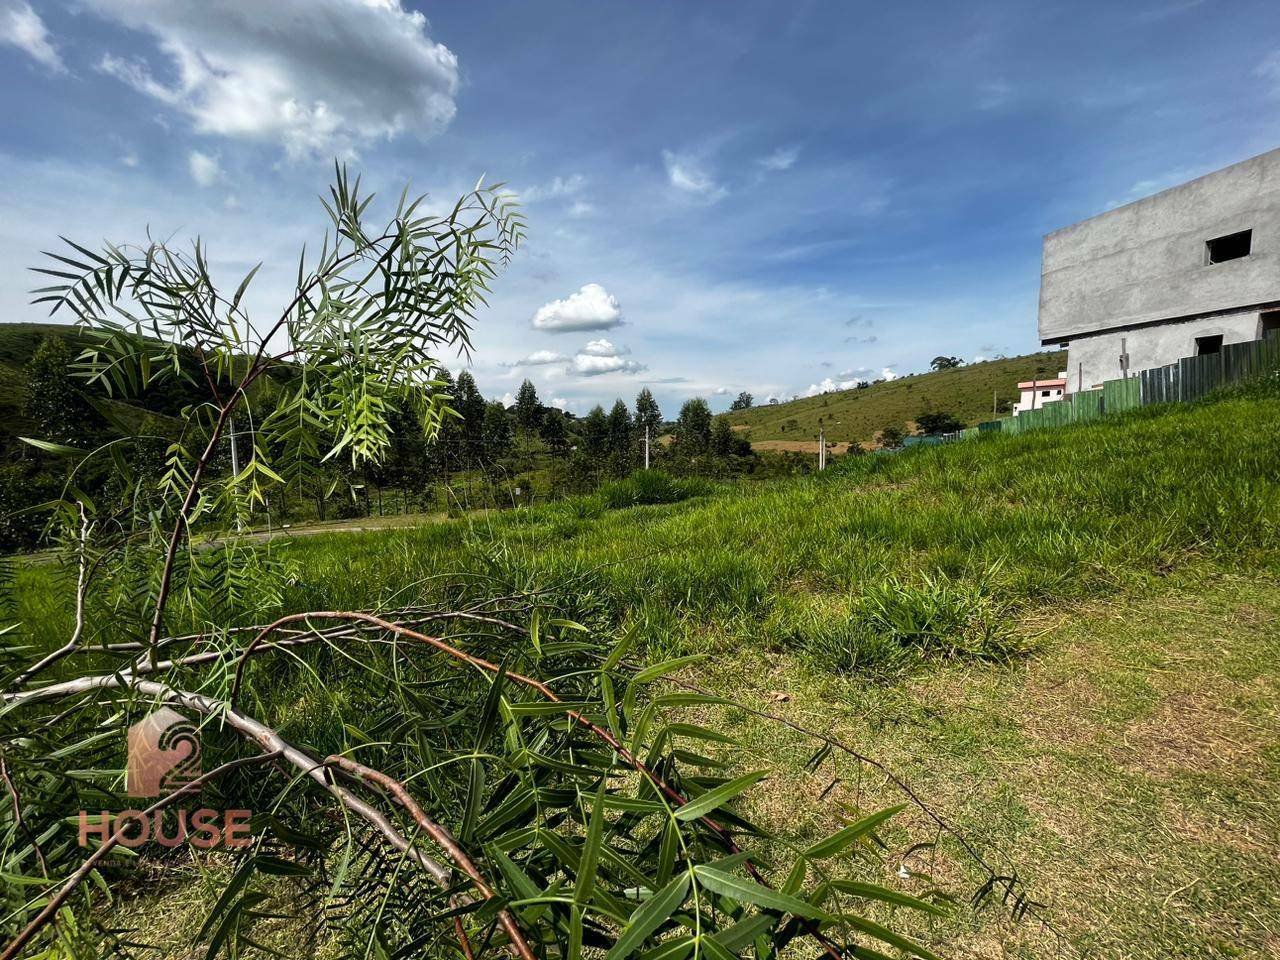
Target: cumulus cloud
[(580, 208), (722, 391), (783, 158), (205, 169), (827, 384), (686, 174), (888, 374), (602, 348), (560, 403), (539, 358), (22, 27), (591, 308), (317, 76), (601, 356)]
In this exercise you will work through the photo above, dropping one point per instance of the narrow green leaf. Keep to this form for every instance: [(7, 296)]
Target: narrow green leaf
[(872, 929), (649, 916), (871, 891), (591, 849), (843, 839), (748, 891), (712, 799), (60, 449), (668, 666)]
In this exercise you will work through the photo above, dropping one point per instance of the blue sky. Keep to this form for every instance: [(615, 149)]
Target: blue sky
[(773, 197)]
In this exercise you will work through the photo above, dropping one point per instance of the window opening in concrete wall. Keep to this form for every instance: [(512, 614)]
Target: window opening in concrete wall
[(1231, 247), (1210, 344), (1270, 325)]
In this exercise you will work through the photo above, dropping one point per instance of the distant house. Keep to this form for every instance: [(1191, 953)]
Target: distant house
[(1177, 274), (1036, 393)]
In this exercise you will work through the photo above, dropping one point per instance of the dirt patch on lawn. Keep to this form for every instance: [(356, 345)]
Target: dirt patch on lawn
[(1190, 732)]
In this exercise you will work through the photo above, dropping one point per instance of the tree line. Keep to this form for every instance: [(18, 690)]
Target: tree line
[(482, 452)]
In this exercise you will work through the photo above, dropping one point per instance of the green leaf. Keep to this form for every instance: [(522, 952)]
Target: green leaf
[(872, 929), (59, 449), (712, 799), (591, 849), (748, 891), (872, 891), (667, 666), (843, 839), (649, 916)]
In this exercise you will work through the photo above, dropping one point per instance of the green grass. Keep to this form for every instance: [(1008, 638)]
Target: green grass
[(1066, 641), (857, 415)]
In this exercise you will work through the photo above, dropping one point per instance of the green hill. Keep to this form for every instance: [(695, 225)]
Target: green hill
[(857, 415)]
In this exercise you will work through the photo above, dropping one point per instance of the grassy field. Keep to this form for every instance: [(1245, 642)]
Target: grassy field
[(856, 415), (1065, 641)]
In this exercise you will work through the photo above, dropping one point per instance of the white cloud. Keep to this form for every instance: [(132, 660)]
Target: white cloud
[(204, 168), (827, 384), (781, 159), (722, 391), (560, 403), (22, 27), (585, 365), (317, 76), (558, 187), (601, 356), (687, 174), (581, 208), (888, 374), (130, 160), (508, 398), (539, 358), (602, 348), (591, 308)]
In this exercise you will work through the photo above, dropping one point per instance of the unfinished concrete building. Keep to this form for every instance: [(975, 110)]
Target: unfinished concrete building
[(1174, 275)]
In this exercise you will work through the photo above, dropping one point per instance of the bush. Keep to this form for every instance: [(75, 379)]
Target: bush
[(652, 486)]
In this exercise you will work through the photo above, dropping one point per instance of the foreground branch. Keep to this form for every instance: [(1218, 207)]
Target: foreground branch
[(614, 744), (41, 919), (276, 747)]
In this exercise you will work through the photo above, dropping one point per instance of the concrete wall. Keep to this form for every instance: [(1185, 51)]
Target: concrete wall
[(1098, 356), (1145, 261)]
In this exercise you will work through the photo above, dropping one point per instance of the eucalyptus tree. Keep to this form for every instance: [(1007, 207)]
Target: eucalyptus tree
[(648, 415), (463, 771)]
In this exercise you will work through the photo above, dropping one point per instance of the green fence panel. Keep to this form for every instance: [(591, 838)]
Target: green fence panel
[(1121, 395), (1087, 405)]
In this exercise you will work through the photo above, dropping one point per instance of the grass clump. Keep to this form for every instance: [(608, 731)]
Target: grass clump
[(897, 623), (647, 487)]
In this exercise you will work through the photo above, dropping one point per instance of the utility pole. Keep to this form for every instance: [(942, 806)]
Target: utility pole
[(822, 449), (646, 446), (994, 405)]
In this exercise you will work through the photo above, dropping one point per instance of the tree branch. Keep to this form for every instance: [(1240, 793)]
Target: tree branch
[(58, 899)]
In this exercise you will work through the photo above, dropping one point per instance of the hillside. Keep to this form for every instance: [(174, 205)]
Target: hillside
[(857, 415), (19, 341), (1072, 661)]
